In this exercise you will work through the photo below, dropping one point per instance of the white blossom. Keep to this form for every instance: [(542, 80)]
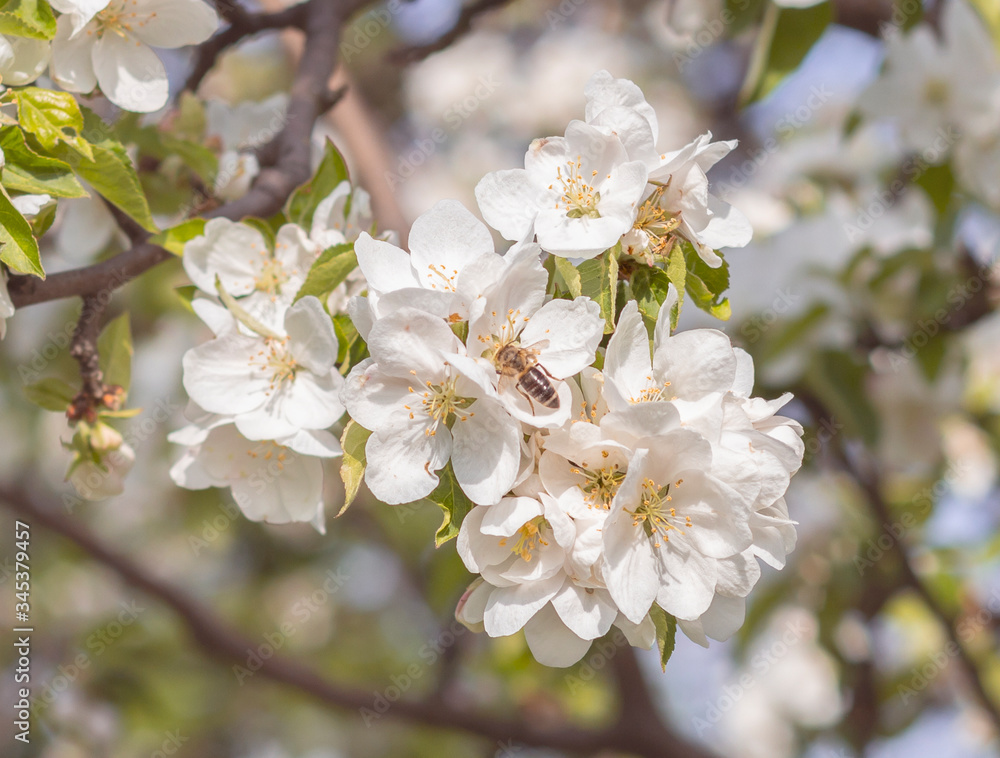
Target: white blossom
[(22, 60), (107, 43)]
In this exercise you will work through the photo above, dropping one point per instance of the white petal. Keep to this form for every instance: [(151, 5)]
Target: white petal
[(443, 240), (174, 23), (130, 74), (551, 642), (486, 454), (509, 201), (219, 377), (402, 461), (72, 67), (311, 339), (386, 267), (588, 613), (30, 57), (409, 343), (572, 331), (510, 608)]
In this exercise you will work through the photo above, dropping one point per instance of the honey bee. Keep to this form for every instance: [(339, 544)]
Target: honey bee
[(531, 378)]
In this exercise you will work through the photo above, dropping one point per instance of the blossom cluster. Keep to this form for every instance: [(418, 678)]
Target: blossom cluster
[(646, 489), (942, 90), (108, 44), (266, 389)]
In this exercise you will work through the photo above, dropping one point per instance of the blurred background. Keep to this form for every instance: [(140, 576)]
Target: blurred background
[(864, 237)]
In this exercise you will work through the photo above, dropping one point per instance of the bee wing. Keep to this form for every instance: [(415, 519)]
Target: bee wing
[(536, 346)]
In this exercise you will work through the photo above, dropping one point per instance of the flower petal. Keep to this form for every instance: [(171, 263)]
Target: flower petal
[(130, 74)]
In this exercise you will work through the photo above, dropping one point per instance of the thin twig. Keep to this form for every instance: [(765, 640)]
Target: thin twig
[(463, 25), (83, 348), (310, 96), (226, 644)]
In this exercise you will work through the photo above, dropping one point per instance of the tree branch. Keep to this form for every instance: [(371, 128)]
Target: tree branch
[(228, 645), (862, 470), (463, 25), (241, 24), (310, 96), (83, 348)]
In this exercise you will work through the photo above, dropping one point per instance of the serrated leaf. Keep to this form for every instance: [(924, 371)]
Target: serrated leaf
[(19, 247), (677, 274), (786, 37), (666, 633), (27, 171), (569, 274), (54, 118), (115, 349), (352, 465), (175, 238), (705, 284), (331, 171), (650, 287), (110, 171), (329, 270), (27, 18), (599, 282), (51, 394), (450, 498)]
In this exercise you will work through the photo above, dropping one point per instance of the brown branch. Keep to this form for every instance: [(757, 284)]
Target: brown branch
[(241, 24), (83, 348), (463, 25), (310, 96), (226, 644), (862, 470)]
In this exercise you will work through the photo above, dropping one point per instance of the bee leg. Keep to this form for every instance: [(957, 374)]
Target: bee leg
[(527, 397)]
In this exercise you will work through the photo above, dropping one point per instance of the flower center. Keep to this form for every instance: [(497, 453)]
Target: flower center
[(653, 392), (656, 514), (276, 359), (936, 92), (599, 485), (440, 402), (271, 276), (447, 280), (579, 198), (657, 223), (270, 451), (118, 19), (528, 538)]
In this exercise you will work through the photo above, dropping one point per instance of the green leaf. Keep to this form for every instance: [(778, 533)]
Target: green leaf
[(990, 11), (332, 171), (42, 221), (329, 270), (650, 287), (839, 381), (27, 18), (599, 282), (27, 171), (110, 171), (742, 14), (569, 274), (115, 349), (352, 465), (786, 37), (53, 118), (189, 121), (939, 184), (706, 285), (448, 496), (677, 274), (20, 248), (51, 394), (666, 633), (175, 238), (186, 295)]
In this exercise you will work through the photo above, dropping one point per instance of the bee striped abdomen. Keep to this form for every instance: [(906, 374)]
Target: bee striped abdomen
[(537, 385)]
